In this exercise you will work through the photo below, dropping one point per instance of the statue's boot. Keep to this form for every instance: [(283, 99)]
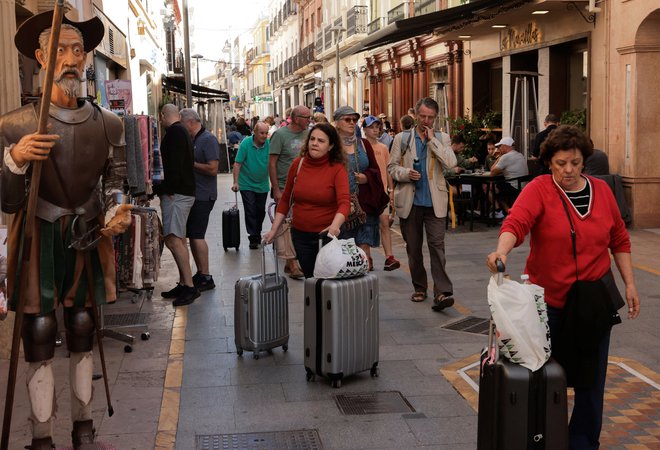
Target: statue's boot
[(82, 435)]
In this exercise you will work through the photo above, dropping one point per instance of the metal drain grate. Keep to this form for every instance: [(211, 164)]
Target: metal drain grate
[(273, 440), (381, 402), (470, 324), (125, 320)]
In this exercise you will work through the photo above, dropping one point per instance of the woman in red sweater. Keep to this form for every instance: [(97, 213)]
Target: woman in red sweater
[(316, 192), (542, 210)]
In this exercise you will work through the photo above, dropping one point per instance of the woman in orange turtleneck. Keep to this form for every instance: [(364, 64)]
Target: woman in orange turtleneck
[(317, 191)]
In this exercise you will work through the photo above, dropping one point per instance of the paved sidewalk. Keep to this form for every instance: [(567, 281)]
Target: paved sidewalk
[(186, 383)]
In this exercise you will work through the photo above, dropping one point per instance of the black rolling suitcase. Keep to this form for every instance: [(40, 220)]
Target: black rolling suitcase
[(231, 227), (520, 409)]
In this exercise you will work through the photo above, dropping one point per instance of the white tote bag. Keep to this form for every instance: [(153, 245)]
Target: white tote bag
[(340, 258), (521, 319)]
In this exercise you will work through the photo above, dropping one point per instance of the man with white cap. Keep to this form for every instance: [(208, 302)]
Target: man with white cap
[(512, 164)]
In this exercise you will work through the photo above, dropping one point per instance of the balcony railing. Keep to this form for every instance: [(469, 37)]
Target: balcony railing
[(249, 56), (306, 56), (425, 7), (397, 13), (328, 37), (356, 20), (375, 25), (319, 42)]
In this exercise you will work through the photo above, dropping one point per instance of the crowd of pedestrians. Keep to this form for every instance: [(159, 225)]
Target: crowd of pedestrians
[(351, 178)]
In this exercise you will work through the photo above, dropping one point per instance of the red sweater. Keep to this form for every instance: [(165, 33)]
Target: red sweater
[(320, 192), (550, 264)]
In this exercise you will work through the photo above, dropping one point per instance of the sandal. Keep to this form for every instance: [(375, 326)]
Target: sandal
[(442, 301), (418, 297)]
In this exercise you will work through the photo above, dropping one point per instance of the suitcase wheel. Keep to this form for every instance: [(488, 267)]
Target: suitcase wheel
[(225, 248), (336, 384), (237, 247), (239, 351), (256, 355), (285, 347), (374, 372), (270, 351), (309, 375)]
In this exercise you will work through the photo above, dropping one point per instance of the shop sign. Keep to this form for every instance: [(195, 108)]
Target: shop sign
[(513, 38), (263, 98)]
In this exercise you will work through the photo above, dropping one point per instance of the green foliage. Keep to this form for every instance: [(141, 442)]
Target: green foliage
[(576, 118), (469, 127)]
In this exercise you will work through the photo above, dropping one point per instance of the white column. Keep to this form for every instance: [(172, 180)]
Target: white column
[(506, 96), (544, 84), (10, 84)]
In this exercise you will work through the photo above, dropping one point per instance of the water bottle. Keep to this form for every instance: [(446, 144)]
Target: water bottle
[(418, 167), (525, 279)]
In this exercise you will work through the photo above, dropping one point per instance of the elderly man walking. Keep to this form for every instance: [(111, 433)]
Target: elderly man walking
[(206, 150), (251, 178), (177, 196), (285, 146), (420, 198)]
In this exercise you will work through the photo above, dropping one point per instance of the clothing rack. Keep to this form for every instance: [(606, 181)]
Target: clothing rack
[(137, 251)]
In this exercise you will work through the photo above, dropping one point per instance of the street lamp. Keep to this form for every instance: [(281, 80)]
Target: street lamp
[(337, 31), (197, 57)]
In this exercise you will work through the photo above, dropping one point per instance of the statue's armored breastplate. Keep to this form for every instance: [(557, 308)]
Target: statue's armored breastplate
[(76, 162)]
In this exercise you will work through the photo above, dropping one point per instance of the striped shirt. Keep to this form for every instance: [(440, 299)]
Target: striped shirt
[(581, 199)]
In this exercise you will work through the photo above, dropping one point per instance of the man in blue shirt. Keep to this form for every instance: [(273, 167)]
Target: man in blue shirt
[(207, 155), (417, 161)]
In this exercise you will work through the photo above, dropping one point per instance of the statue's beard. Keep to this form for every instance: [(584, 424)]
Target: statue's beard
[(70, 86)]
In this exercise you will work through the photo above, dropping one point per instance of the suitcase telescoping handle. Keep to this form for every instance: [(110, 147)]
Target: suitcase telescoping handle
[(235, 199), (263, 264), (493, 348)]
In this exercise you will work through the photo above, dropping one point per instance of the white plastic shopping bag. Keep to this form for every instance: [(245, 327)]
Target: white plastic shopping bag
[(521, 319), (340, 258)]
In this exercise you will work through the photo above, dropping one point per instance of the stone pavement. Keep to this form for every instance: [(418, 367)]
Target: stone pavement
[(186, 388)]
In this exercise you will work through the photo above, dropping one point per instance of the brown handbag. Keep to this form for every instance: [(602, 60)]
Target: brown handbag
[(356, 216)]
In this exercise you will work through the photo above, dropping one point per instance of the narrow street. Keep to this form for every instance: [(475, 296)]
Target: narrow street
[(185, 388)]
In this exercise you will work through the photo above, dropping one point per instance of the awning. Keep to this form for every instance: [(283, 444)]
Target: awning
[(178, 85), (426, 24)]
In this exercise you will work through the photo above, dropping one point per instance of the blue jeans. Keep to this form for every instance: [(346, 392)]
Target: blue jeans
[(254, 204), (587, 418)]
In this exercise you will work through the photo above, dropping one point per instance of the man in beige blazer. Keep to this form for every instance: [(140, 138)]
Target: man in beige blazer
[(417, 160)]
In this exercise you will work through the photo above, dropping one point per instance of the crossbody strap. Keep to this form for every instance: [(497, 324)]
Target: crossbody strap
[(293, 185), (573, 236)]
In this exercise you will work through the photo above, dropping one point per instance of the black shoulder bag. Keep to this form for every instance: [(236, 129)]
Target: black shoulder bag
[(589, 313)]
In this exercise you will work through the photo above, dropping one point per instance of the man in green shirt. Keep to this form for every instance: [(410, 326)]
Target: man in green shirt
[(251, 178), (285, 146)]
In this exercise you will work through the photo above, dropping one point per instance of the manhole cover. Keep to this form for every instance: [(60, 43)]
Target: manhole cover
[(273, 440), (382, 402), (125, 320), (470, 324)]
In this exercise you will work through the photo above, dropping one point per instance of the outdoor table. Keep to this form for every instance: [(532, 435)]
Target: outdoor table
[(476, 180)]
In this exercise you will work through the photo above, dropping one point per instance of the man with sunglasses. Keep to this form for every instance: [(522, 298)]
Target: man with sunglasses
[(285, 146)]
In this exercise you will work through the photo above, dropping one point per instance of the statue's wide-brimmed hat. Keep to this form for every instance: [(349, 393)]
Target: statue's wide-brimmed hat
[(27, 35)]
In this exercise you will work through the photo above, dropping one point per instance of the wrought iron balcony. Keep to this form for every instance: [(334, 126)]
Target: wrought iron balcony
[(356, 20), (425, 7), (397, 13), (375, 25)]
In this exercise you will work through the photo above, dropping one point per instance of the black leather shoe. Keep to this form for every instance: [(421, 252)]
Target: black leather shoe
[(203, 282), (172, 293), (186, 297)]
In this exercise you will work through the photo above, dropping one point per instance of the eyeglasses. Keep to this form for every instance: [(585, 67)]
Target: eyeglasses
[(349, 119)]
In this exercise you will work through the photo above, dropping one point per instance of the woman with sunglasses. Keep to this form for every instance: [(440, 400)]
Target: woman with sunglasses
[(364, 180)]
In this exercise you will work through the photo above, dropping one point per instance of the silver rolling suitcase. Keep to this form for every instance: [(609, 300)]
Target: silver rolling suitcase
[(261, 311), (341, 327)]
